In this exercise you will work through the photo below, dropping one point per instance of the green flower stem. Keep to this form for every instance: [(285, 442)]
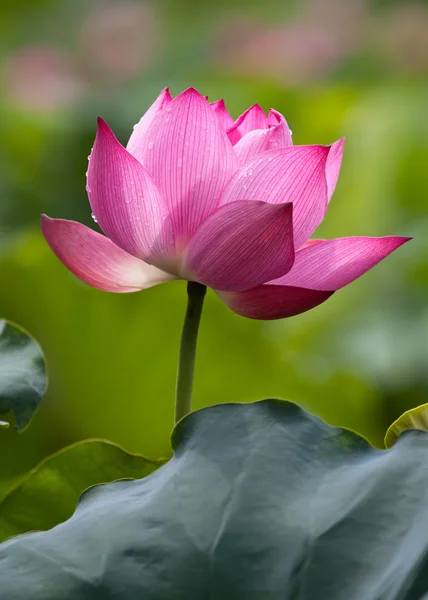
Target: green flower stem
[(186, 360)]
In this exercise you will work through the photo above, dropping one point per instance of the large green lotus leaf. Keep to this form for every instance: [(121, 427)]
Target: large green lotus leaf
[(48, 495), (22, 374), (260, 501)]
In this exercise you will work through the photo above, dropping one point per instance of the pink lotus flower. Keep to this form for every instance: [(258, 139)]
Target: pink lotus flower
[(229, 204)]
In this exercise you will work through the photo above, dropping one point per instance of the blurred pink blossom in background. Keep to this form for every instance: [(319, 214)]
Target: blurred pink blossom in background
[(402, 37), (42, 78), (120, 39), (300, 50)]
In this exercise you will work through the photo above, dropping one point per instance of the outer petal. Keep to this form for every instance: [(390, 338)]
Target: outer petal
[(126, 202), (293, 174), (241, 245), (332, 264), (190, 158), (332, 167), (253, 118), (260, 140), (222, 114), (94, 258), (267, 302), (141, 128)]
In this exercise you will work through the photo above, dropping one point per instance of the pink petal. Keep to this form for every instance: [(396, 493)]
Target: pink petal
[(293, 174), (275, 117), (332, 264), (126, 202), (260, 140), (140, 129), (333, 164), (190, 158), (222, 114), (267, 302), (253, 118), (241, 245), (94, 258)]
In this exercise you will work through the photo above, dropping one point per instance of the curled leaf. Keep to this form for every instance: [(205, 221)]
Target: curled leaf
[(415, 418)]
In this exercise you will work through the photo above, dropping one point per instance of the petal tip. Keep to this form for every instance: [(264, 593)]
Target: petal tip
[(103, 130), (220, 103), (101, 123), (192, 92), (338, 144), (166, 93), (402, 239), (45, 222)]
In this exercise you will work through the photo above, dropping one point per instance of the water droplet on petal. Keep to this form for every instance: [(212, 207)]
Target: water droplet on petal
[(94, 217), (150, 145)]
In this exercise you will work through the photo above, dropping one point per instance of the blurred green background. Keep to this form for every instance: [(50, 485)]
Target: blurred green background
[(334, 68)]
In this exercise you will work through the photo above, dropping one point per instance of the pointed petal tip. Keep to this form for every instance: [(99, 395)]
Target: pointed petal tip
[(275, 118), (220, 103), (257, 107), (49, 225), (103, 129), (191, 91), (255, 110), (394, 241), (101, 123), (46, 222), (398, 240), (338, 143)]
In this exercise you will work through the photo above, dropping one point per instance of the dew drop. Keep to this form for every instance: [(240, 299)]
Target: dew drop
[(94, 217)]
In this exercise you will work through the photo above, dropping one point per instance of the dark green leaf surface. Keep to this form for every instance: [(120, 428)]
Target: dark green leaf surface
[(22, 374), (261, 501), (49, 494)]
